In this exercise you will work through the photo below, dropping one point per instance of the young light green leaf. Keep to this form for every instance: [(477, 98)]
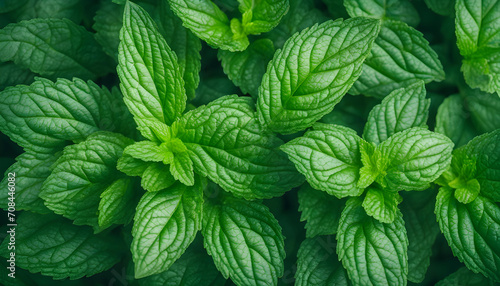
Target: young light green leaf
[(299, 87), (227, 144), (373, 253), (471, 230), (55, 247), (400, 10), (151, 81), (422, 229), (317, 263), (381, 204), (157, 177), (81, 175), (43, 117), (246, 68), (132, 166), (31, 170), (208, 23), (464, 276), (54, 48), (400, 56), (185, 45), (401, 109), (117, 203), (16, 75), (416, 157), (478, 36), (262, 16), (194, 268), (244, 240), (145, 150), (452, 121), (328, 156), (320, 211), (182, 168), (165, 223), (302, 14)]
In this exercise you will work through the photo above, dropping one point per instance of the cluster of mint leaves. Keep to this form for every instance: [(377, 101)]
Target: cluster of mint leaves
[(128, 173)]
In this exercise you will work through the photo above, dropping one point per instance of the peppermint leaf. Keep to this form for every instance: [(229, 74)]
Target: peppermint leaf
[(117, 203), (165, 223), (382, 205), (299, 88), (400, 10)]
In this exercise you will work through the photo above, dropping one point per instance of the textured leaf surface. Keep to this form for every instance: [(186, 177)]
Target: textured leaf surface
[(400, 10), (117, 203), (17, 75), (265, 15), (44, 116), (244, 240), (108, 21), (401, 109), (451, 120), (55, 247), (373, 253), (156, 177), (300, 87), (151, 81), (381, 205), (70, 9), (31, 171), (227, 144), (329, 158), (320, 211), (54, 48), (464, 276), (483, 108), (165, 223), (400, 56), (422, 229), (317, 263), (208, 23), (471, 231), (81, 174), (416, 157), (246, 68), (478, 36)]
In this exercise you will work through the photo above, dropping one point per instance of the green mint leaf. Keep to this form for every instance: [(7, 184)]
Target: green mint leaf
[(400, 10), (477, 31), (401, 109), (452, 121), (244, 240), (441, 7), (185, 45), (55, 247), (373, 164), (416, 157), (132, 166), (145, 150), (165, 224), (10, 5), (150, 78), (246, 68), (31, 170), (299, 88), (328, 156), (182, 168), (464, 276), (400, 56), (194, 268), (382, 205), (466, 192), (320, 211), (71, 9), (17, 75), (468, 228), (483, 110), (208, 23), (317, 263), (42, 117), (117, 203), (156, 177), (81, 175), (302, 14), (373, 253), (262, 16), (108, 21), (422, 229), (227, 144), (56, 48), (485, 152)]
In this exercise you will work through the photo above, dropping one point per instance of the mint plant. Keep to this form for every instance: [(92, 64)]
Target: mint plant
[(180, 142)]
